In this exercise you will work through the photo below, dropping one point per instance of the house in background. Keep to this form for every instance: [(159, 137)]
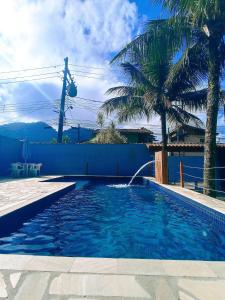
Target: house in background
[(187, 134), (136, 136)]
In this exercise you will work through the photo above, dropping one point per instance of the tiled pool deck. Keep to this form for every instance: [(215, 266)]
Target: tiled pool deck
[(15, 194), (26, 277)]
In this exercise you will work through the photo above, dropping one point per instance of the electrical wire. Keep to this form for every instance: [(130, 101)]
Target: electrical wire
[(29, 80), (88, 99), (28, 76), (91, 77), (31, 69), (93, 67), (86, 72)]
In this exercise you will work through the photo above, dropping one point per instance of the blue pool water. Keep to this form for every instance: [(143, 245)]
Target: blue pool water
[(98, 220)]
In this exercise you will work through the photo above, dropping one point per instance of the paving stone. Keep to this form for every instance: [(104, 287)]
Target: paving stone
[(187, 268), (218, 268), (185, 296), (48, 263), (14, 278), (108, 298), (14, 262), (33, 286), (98, 285), (163, 290), (201, 289), (140, 267), (94, 265), (3, 290), (30, 190)]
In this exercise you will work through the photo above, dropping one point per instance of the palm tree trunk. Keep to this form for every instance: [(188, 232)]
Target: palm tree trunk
[(163, 130), (211, 114)]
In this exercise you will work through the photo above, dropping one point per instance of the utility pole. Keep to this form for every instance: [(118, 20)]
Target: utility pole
[(62, 105)]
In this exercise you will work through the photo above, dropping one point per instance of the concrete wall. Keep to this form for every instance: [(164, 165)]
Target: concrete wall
[(91, 159), (10, 151), (192, 161)]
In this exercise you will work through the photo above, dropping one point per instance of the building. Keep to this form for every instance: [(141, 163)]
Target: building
[(136, 136), (140, 135), (187, 134)]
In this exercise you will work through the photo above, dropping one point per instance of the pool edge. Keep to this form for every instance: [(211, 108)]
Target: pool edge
[(204, 200)]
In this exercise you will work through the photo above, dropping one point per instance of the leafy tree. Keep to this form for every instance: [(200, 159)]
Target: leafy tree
[(65, 140), (154, 86), (108, 136), (100, 119)]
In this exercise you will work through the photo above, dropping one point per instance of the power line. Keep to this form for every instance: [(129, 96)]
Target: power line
[(78, 75), (29, 80), (31, 69), (92, 67), (86, 72), (88, 99), (27, 76)]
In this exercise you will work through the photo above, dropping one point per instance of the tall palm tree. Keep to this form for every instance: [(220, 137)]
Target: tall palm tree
[(154, 87), (196, 29), (204, 21)]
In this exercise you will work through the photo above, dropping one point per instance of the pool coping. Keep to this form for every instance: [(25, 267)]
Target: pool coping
[(204, 200), (67, 186), (113, 266)]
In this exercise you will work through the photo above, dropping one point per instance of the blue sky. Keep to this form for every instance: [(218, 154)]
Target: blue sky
[(41, 33), (146, 7)]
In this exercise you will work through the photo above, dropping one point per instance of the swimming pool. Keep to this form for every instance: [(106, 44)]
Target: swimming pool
[(98, 219)]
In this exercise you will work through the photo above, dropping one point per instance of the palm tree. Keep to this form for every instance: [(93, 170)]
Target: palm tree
[(197, 29), (154, 87), (202, 23)]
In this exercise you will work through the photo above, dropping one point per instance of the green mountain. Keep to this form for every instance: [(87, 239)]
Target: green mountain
[(35, 132), (42, 132)]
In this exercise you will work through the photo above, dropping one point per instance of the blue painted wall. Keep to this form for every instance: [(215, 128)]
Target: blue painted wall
[(10, 151), (91, 159), (191, 161)]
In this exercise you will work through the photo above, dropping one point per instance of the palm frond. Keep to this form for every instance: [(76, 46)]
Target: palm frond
[(177, 114), (115, 103), (137, 77), (159, 36), (130, 113), (122, 102), (190, 70), (199, 12), (122, 90), (195, 100)]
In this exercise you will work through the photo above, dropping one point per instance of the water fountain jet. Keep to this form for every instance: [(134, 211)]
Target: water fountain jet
[(139, 170)]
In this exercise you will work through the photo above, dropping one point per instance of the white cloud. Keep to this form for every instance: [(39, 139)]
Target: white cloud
[(35, 33)]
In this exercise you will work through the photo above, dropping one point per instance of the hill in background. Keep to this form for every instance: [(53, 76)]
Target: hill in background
[(42, 132)]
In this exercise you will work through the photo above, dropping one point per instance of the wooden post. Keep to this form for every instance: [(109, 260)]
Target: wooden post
[(181, 174), (161, 167)]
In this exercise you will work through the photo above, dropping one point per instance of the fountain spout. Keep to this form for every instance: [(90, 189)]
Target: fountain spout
[(139, 170)]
